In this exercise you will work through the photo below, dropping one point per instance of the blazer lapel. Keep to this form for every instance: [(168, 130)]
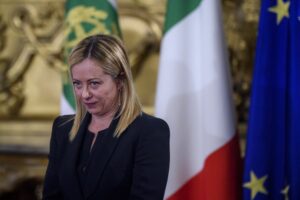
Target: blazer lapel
[(69, 177), (101, 156)]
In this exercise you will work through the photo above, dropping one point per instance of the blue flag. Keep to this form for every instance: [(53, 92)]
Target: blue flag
[(272, 160)]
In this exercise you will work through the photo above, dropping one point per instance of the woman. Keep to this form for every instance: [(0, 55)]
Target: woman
[(110, 149)]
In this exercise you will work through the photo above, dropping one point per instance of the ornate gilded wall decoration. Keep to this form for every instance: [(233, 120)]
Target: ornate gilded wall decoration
[(30, 30)]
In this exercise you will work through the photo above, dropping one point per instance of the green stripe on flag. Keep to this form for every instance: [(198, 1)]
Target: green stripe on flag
[(68, 92), (177, 10)]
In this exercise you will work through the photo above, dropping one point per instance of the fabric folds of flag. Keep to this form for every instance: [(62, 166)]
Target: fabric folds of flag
[(272, 162), (194, 96), (84, 18)]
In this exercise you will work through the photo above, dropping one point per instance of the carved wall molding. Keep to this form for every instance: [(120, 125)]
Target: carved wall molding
[(30, 30)]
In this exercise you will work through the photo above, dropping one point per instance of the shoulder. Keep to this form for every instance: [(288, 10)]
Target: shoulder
[(149, 123), (153, 137), (151, 120), (62, 124), (63, 120)]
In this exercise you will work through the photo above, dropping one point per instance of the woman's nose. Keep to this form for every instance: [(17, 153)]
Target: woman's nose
[(86, 93)]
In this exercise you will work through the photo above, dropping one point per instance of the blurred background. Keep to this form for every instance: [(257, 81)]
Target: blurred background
[(31, 59)]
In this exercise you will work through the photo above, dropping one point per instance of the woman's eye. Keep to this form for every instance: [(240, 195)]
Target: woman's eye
[(95, 83), (76, 84)]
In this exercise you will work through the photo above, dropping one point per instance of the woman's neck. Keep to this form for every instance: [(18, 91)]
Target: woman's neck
[(99, 123)]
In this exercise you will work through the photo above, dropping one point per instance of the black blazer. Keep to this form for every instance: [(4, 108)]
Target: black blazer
[(133, 166)]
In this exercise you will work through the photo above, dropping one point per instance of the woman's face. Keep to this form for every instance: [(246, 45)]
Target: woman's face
[(97, 91)]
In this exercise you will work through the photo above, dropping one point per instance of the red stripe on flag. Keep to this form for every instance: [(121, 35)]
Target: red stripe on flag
[(220, 178)]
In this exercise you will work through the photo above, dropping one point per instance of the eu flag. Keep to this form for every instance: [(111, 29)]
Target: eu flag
[(272, 160)]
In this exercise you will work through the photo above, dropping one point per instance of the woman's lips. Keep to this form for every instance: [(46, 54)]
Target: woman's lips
[(90, 105)]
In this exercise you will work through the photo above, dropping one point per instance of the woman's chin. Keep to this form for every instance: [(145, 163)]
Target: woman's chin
[(91, 110)]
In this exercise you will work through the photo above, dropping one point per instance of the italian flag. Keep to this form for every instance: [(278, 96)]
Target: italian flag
[(194, 96), (84, 18)]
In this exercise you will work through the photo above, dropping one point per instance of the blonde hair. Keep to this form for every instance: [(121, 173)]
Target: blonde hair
[(110, 52)]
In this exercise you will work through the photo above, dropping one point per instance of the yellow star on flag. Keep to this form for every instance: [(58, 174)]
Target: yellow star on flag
[(285, 192), (256, 185), (281, 9)]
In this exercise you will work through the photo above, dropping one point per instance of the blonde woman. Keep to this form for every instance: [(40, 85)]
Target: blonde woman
[(110, 149)]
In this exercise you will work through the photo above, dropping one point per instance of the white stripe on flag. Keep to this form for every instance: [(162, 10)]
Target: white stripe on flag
[(65, 108), (193, 93)]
